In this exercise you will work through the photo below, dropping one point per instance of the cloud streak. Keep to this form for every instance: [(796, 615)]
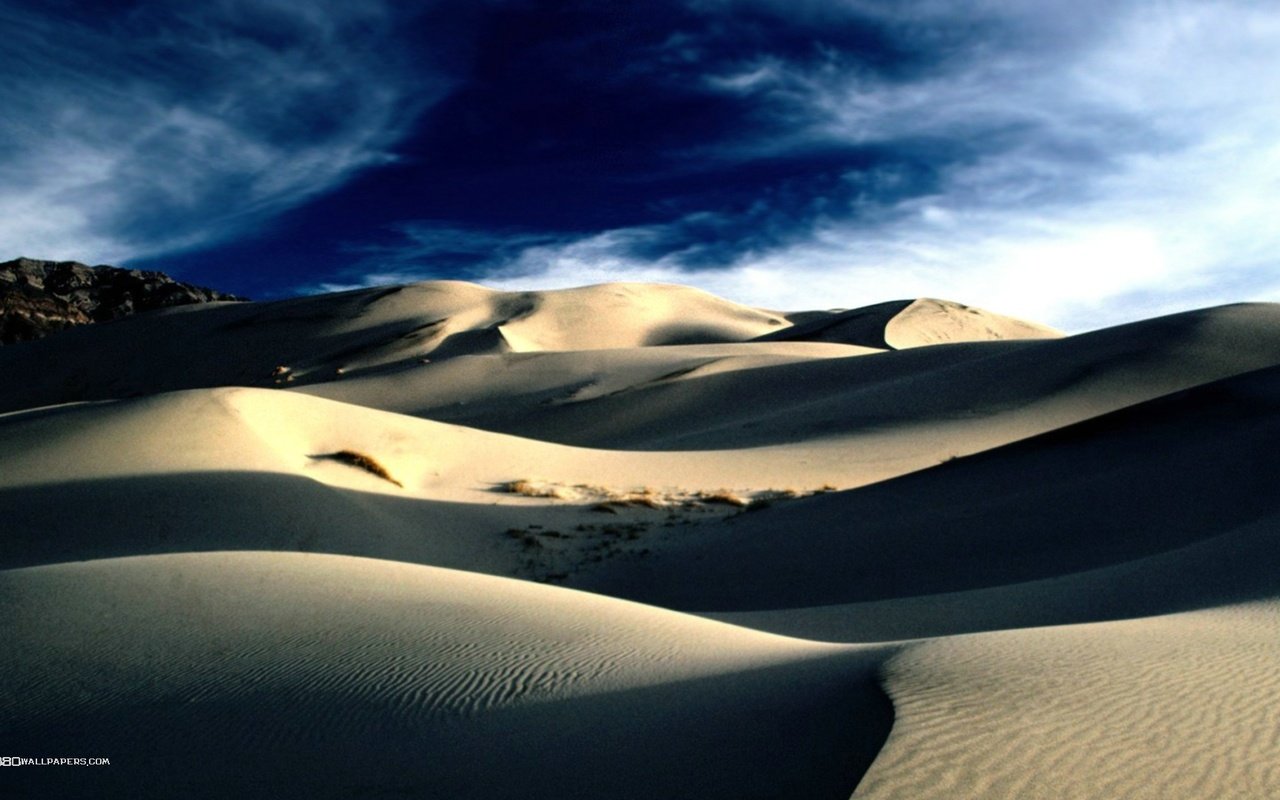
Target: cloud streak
[(174, 125)]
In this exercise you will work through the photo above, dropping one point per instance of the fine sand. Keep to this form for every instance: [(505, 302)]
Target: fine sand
[(638, 541)]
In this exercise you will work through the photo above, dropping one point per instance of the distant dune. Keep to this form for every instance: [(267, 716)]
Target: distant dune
[(637, 541)]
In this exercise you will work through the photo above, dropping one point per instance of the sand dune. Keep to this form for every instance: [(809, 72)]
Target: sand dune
[(1237, 566), (932, 402), (525, 392), (257, 473), (320, 338), (1177, 706), (1136, 482), (324, 676), (292, 549), (324, 338), (910, 323)]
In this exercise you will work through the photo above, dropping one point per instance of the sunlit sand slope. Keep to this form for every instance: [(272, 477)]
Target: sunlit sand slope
[(1178, 706)]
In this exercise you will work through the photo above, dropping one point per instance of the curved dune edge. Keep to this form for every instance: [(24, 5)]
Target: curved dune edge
[(1089, 498), (324, 675), (929, 321), (903, 324), (1232, 568), (1178, 706)]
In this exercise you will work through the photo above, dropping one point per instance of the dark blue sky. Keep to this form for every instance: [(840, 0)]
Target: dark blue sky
[(566, 119), (1050, 159)]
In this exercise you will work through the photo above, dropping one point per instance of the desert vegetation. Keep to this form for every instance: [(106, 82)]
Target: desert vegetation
[(361, 461), (611, 500)]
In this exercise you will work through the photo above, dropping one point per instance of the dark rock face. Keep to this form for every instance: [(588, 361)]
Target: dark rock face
[(40, 297)]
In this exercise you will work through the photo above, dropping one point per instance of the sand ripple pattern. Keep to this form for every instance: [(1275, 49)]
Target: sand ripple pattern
[(330, 676), (419, 644), (1184, 706)]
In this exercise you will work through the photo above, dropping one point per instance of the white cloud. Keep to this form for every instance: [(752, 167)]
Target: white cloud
[(1127, 167), (179, 124)]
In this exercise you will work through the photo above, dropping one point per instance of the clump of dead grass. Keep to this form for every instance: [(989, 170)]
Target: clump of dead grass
[(648, 497), (359, 460), (723, 497), (527, 488)]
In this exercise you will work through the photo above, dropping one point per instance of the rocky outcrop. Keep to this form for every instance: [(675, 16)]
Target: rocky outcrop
[(40, 297)]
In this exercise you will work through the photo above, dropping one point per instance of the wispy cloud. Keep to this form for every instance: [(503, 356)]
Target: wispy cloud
[(174, 125), (1092, 164)]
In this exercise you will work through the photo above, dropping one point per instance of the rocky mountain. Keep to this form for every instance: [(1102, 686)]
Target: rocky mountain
[(40, 297)]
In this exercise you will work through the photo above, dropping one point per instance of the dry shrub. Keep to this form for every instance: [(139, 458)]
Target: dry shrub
[(527, 488), (647, 500), (367, 463), (725, 497)]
